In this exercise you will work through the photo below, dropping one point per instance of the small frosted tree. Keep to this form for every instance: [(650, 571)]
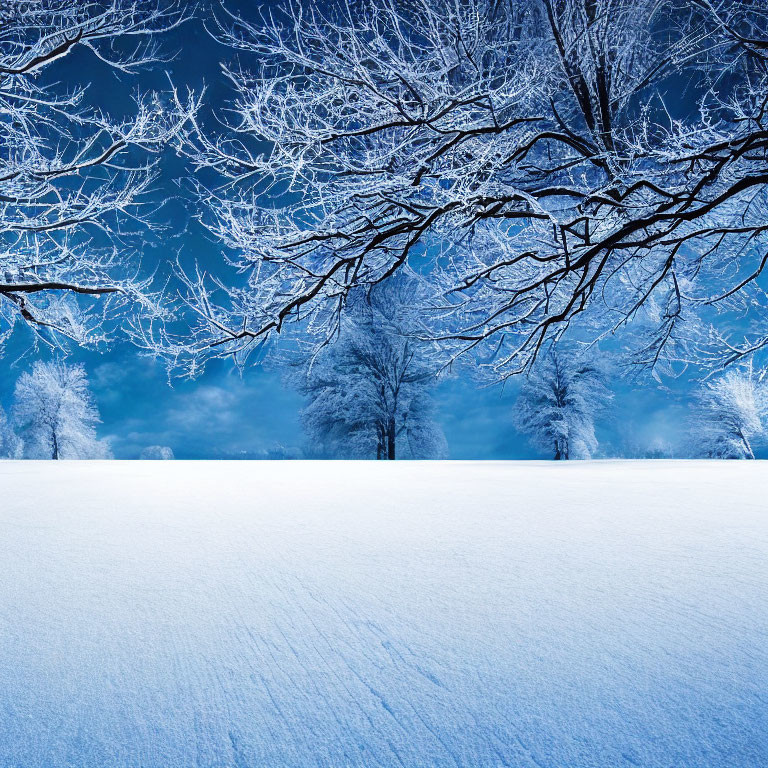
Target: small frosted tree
[(559, 402), (157, 453), (730, 416), (56, 414), (369, 391)]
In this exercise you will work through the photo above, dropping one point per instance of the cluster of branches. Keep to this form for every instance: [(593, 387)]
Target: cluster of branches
[(72, 178), (522, 152), (543, 163)]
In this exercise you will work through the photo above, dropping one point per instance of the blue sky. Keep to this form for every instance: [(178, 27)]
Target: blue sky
[(224, 414)]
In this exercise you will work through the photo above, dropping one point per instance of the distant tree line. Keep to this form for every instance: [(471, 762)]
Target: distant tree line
[(369, 395)]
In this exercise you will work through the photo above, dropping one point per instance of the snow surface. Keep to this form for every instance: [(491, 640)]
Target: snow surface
[(373, 614)]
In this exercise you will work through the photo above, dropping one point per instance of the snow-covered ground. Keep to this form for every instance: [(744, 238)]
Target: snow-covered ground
[(226, 615)]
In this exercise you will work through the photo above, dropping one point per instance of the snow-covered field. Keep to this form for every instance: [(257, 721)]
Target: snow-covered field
[(168, 615)]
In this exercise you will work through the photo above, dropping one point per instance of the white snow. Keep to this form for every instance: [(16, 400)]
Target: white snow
[(164, 615)]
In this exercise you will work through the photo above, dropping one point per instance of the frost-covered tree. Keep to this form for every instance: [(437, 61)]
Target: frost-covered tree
[(730, 416), (74, 180), (559, 401), (524, 147), (157, 453), (11, 446), (368, 391), (55, 413)]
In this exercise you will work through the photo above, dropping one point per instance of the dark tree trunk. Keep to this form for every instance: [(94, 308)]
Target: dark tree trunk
[(557, 451), (381, 442), (391, 439), (55, 445)]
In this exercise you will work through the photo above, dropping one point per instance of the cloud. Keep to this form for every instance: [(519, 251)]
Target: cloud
[(221, 414)]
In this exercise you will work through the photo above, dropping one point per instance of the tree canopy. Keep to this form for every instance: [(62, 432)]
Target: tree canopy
[(74, 180), (550, 164)]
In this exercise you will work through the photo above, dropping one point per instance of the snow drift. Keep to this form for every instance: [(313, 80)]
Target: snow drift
[(169, 615)]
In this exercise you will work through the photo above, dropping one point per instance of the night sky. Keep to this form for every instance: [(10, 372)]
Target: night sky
[(226, 414)]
